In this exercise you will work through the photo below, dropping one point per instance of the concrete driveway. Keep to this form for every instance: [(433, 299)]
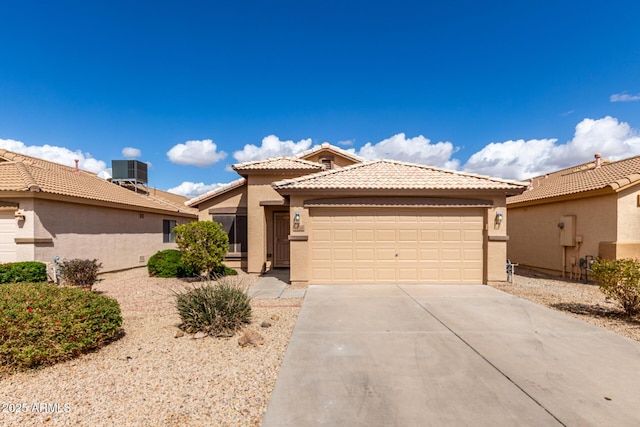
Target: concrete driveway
[(450, 356)]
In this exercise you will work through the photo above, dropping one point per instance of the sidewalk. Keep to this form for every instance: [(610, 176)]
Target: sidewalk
[(273, 284)]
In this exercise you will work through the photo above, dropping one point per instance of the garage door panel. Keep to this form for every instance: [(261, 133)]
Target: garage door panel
[(396, 246), (365, 235), (365, 255), (343, 235), (8, 229)]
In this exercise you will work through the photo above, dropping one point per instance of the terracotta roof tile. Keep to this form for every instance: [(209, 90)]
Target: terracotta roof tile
[(19, 172), (395, 175), (327, 146), (216, 192), (582, 178), (278, 163)]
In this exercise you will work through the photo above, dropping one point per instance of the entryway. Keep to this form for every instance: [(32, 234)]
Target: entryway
[(281, 256)]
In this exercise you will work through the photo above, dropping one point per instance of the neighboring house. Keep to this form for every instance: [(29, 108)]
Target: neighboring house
[(590, 209), (48, 210), (332, 217)]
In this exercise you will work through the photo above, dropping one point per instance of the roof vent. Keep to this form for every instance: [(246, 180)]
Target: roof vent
[(598, 157)]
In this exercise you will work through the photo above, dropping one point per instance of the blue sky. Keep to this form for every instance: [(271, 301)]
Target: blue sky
[(504, 88)]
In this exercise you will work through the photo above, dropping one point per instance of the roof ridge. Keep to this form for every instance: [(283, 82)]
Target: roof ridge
[(326, 145), (216, 191), (271, 159)]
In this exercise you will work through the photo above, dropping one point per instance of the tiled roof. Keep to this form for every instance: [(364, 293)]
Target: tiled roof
[(277, 163), (216, 192), (582, 178), (395, 175), (21, 173), (327, 146)]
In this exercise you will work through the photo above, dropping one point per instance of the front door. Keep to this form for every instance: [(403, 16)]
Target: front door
[(281, 240)]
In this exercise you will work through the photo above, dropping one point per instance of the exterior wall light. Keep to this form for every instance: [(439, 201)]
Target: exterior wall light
[(499, 217), (19, 215), (296, 218)]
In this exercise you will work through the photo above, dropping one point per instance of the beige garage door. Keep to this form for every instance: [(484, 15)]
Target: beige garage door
[(8, 229), (427, 246)]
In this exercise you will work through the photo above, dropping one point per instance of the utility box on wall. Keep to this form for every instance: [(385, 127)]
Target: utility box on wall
[(567, 227)]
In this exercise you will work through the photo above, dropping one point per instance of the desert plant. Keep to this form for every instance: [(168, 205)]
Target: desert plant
[(203, 244), (168, 263), (223, 270), (620, 281), (216, 308), (27, 271), (80, 272), (42, 324)]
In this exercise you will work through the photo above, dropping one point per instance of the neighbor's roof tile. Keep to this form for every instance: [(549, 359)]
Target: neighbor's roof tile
[(392, 175), (582, 178), (19, 172)]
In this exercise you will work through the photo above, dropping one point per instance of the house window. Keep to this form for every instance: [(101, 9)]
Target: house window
[(168, 236), (236, 228)]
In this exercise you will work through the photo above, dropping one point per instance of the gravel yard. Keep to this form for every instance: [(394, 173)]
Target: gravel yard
[(151, 378), (584, 301)]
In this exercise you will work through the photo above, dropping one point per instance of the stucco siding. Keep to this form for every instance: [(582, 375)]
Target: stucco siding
[(236, 198), (119, 239), (534, 235)]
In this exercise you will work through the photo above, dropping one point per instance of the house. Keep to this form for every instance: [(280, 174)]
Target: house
[(49, 210), (332, 217), (592, 209)]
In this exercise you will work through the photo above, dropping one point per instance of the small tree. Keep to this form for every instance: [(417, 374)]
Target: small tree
[(203, 245), (620, 280)]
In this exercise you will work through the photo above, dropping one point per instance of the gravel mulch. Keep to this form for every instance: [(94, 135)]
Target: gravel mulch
[(151, 378), (584, 301)]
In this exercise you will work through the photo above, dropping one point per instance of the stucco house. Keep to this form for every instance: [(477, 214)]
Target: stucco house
[(48, 210), (332, 217), (592, 209)]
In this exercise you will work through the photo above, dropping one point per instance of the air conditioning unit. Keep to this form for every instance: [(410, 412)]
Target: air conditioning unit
[(129, 170)]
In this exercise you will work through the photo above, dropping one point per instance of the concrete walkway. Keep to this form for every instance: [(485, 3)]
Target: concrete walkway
[(274, 284), (450, 356)]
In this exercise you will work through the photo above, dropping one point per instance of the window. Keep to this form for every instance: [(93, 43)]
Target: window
[(168, 236), (236, 228)]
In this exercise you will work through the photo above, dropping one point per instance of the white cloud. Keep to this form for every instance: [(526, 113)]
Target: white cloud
[(523, 159), (55, 154), (416, 150), (131, 153), (193, 189), (346, 142), (624, 97), (271, 146), (196, 153)]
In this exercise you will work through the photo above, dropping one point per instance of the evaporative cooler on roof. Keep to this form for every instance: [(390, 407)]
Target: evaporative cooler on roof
[(129, 173)]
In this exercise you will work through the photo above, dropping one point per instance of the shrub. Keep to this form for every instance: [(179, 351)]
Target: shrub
[(168, 263), (28, 271), (42, 324), (80, 272), (620, 280), (203, 245), (223, 270), (215, 308)]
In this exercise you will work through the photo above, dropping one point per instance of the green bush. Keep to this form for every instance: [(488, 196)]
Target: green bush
[(223, 270), (168, 263), (215, 308), (203, 244), (28, 271), (620, 281), (42, 324)]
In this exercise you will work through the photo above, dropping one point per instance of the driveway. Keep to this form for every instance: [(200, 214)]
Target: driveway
[(449, 356)]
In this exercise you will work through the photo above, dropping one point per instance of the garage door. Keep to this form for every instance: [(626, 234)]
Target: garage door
[(8, 229), (427, 246)]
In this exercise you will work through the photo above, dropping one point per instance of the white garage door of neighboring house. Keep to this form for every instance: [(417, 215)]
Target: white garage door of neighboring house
[(427, 246), (8, 229)]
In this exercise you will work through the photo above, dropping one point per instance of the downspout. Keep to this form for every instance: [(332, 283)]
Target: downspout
[(564, 260)]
